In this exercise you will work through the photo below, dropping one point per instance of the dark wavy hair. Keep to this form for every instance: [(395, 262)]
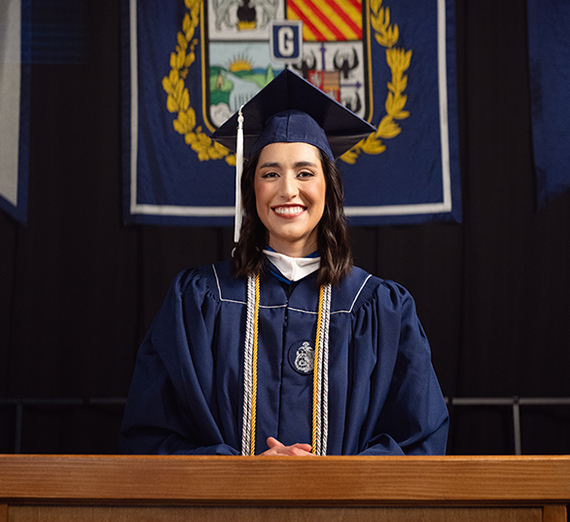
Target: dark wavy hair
[(333, 240)]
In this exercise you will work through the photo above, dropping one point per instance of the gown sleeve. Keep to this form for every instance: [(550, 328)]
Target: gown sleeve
[(171, 407), (407, 413)]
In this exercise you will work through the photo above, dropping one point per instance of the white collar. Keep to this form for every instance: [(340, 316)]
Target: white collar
[(293, 268)]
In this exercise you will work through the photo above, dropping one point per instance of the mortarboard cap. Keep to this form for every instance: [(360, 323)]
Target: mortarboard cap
[(290, 109)]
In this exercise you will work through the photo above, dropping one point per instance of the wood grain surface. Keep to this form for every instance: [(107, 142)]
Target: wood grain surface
[(285, 481)]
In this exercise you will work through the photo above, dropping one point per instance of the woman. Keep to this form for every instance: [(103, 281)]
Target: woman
[(287, 349)]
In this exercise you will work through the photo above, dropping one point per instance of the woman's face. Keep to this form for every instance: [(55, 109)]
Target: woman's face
[(290, 194)]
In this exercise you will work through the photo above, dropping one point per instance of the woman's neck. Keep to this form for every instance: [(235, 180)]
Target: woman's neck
[(293, 248)]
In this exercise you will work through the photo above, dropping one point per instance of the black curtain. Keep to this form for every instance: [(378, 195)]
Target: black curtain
[(78, 289)]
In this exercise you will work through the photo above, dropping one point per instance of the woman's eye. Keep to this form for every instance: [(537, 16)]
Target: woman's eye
[(305, 174), (269, 175)]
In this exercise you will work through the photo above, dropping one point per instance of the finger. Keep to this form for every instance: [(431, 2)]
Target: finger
[(300, 450), (296, 450), (272, 442)]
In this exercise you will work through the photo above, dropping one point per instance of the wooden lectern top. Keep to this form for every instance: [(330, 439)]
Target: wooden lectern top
[(235, 489), (308, 480)]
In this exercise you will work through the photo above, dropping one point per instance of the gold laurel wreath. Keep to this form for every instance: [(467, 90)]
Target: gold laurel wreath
[(398, 60), (178, 100)]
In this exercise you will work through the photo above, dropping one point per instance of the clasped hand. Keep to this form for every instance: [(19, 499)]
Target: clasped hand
[(276, 448)]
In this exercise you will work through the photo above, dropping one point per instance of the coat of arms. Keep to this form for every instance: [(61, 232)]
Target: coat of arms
[(232, 37)]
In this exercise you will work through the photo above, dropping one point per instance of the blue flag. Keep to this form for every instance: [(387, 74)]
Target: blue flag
[(549, 57), (14, 107), (188, 66)]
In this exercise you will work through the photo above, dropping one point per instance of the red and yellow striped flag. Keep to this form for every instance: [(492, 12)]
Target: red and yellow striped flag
[(328, 20)]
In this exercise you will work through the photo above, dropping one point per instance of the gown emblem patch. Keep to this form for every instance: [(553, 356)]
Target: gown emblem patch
[(301, 356)]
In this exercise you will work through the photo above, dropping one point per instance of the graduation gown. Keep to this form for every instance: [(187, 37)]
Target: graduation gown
[(187, 390)]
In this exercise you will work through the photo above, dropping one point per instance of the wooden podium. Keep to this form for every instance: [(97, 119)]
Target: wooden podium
[(156, 488)]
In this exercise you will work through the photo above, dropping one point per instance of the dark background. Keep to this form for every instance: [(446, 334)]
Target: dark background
[(78, 289)]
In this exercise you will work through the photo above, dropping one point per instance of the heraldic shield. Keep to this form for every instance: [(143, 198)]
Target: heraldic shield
[(246, 41)]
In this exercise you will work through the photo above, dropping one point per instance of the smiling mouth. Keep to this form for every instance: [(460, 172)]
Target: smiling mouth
[(289, 210)]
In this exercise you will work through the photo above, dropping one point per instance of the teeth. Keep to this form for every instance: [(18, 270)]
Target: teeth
[(289, 210)]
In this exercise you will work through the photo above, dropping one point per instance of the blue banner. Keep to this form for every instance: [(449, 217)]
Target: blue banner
[(14, 106), (189, 64), (549, 60)]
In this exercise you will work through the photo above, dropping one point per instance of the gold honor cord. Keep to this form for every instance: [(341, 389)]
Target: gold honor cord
[(316, 380), (319, 370)]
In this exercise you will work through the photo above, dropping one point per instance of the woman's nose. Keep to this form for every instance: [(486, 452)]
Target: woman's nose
[(288, 188)]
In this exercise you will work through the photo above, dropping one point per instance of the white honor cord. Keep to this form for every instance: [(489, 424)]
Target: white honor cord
[(248, 367), (239, 170)]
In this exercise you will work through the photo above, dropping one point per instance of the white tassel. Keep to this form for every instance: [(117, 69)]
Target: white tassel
[(239, 170)]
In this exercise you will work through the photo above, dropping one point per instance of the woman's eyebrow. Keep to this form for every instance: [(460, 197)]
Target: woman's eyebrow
[(270, 164), (273, 164), (305, 164)]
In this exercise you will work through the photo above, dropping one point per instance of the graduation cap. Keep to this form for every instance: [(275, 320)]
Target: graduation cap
[(289, 109)]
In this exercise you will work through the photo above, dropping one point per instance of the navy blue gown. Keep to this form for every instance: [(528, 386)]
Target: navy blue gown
[(187, 389)]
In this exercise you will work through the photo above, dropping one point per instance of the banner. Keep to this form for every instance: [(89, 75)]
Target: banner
[(549, 60), (14, 106), (190, 64)]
